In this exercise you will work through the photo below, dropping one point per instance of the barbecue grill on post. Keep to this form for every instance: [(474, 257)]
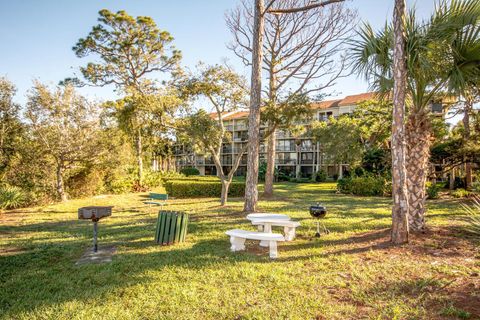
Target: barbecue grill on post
[(94, 213), (319, 212)]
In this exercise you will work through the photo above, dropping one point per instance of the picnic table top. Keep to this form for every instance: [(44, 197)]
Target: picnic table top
[(267, 216)]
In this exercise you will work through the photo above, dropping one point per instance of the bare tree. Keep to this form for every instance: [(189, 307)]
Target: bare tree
[(251, 191), (301, 55), (399, 173)]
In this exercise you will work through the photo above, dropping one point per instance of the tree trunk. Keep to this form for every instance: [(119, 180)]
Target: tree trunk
[(466, 138), (270, 174), (400, 230), (451, 180), (418, 152), (60, 186), (224, 195), (251, 191), (139, 157)]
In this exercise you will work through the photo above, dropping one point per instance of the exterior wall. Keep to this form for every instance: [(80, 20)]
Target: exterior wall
[(298, 157)]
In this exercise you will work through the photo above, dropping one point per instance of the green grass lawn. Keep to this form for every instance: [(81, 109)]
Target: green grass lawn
[(352, 273)]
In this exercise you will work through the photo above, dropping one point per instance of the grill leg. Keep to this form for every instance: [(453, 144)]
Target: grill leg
[(95, 247), (318, 230)]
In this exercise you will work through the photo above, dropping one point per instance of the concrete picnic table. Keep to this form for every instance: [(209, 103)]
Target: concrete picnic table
[(266, 219)]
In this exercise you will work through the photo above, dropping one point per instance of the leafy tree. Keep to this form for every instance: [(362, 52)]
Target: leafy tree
[(11, 129), (225, 91), (65, 126), (340, 139), (146, 118), (348, 138), (130, 51)]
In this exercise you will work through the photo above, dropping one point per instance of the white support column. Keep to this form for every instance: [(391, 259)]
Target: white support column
[(267, 228), (289, 233), (238, 244)]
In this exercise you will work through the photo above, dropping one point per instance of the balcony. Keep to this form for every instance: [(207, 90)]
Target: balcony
[(307, 148), (241, 128), (306, 161), (287, 161), (286, 149)]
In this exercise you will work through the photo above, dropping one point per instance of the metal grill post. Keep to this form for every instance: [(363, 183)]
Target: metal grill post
[(95, 247)]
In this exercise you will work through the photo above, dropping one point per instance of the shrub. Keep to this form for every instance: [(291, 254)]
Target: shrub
[(364, 186), (190, 171), (476, 186), (121, 185), (12, 197), (432, 190), (300, 180), (194, 189), (194, 178), (282, 176), (85, 183), (460, 193), (473, 215), (319, 176), (459, 183)]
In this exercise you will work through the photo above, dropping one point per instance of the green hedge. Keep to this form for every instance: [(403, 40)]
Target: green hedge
[(365, 186), (191, 178), (195, 189), (190, 171)]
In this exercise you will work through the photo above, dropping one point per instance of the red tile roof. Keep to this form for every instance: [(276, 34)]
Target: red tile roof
[(347, 101), (325, 104), (237, 115)]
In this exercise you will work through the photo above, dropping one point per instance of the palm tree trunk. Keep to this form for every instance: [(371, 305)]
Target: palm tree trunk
[(251, 191), (418, 152), (400, 229), (466, 137)]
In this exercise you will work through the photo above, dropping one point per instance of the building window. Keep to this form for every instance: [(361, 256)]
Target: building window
[(323, 116)]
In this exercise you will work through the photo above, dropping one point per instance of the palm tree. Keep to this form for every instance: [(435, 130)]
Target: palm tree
[(430, 62), (464, 80)]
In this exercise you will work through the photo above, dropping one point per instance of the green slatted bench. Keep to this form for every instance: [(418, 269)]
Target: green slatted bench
[(157, 199), (171, 227)]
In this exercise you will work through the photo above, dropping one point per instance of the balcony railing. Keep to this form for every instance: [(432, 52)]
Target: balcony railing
[(306, 161), (240, 127), (307, 148), (285, 149), (287, 161)]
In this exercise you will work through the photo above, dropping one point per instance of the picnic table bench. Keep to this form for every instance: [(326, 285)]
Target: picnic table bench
[(238, 237), (157, 199)]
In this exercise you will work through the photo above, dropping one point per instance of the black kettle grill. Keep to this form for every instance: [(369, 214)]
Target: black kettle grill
[(319, 212)]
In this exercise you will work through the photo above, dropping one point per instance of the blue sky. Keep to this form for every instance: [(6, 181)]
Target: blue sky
[(37, 36)]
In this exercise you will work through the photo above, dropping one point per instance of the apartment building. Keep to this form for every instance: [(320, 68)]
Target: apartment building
[(298, 157)]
